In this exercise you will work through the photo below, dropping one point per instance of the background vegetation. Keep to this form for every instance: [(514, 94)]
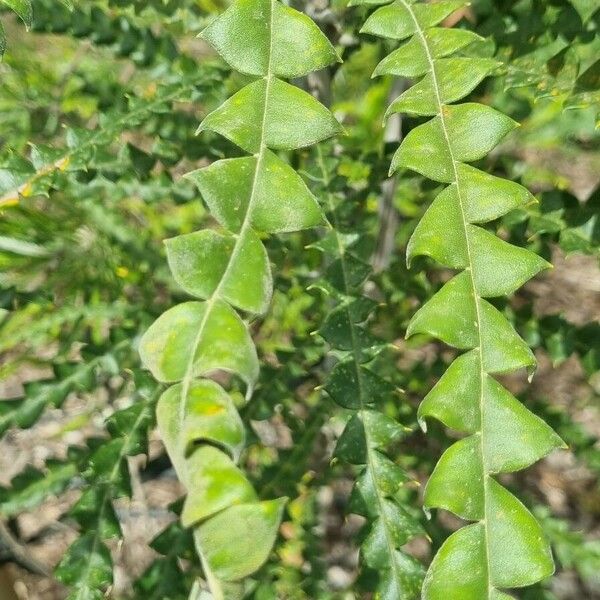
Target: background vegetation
[(99, 105)]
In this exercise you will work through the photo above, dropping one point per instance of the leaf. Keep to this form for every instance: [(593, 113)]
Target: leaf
[(214, 483), (94, 512), (273, 39), (396, 21), (411, 60), (440, 233), (68, 378), (91, 556), (203, 434), (23, 8), (207, 335), (485, 197), (352, 444), (205, 261), (467, 133), (500, 268), (281, 201), (347, 377), (507, 424), (446, 488), (512, 526), (403, 528), (348, 274), (354, 385), (31, 487), (21, 247), (238, 540), (210, 416), (454, 400), (439, 318), (455, 79), (462, 554), (585, 8), (240, 119), (26, 178), (343, 332)]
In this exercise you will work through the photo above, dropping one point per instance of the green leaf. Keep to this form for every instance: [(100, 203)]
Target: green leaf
[(88, 554), (348, 376), (455, 79), (258, 37), (454, 400), (381, 430), (237, 266), (506, 547), (237, 541), (210, 416), (207, 335), (500, 268), (241, 119), (31, 487), (507, 424), (459, 569), (446, 488), (352, 444), (281, 202), (397, 22), (502, 348), (214, 483), (585, 8), (518, 552), (343, 332), (441, 234), (23, 8), (403, 578), (439, 318), (203, 433), (466, 133), (21, 247), (485, 197), (411, 60), (403, 528), (94, 512), (348, 273)]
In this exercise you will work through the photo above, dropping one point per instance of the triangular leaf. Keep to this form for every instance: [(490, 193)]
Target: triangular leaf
[(199, 337), (237, 266), (274, 38)]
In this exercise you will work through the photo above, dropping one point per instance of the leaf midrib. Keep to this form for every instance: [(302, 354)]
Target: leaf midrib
[(440, 105)]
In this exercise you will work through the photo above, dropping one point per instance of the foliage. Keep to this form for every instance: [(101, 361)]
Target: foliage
[(247, 196), (552, 48), (306, 478), (505, 546), (352, 384)]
